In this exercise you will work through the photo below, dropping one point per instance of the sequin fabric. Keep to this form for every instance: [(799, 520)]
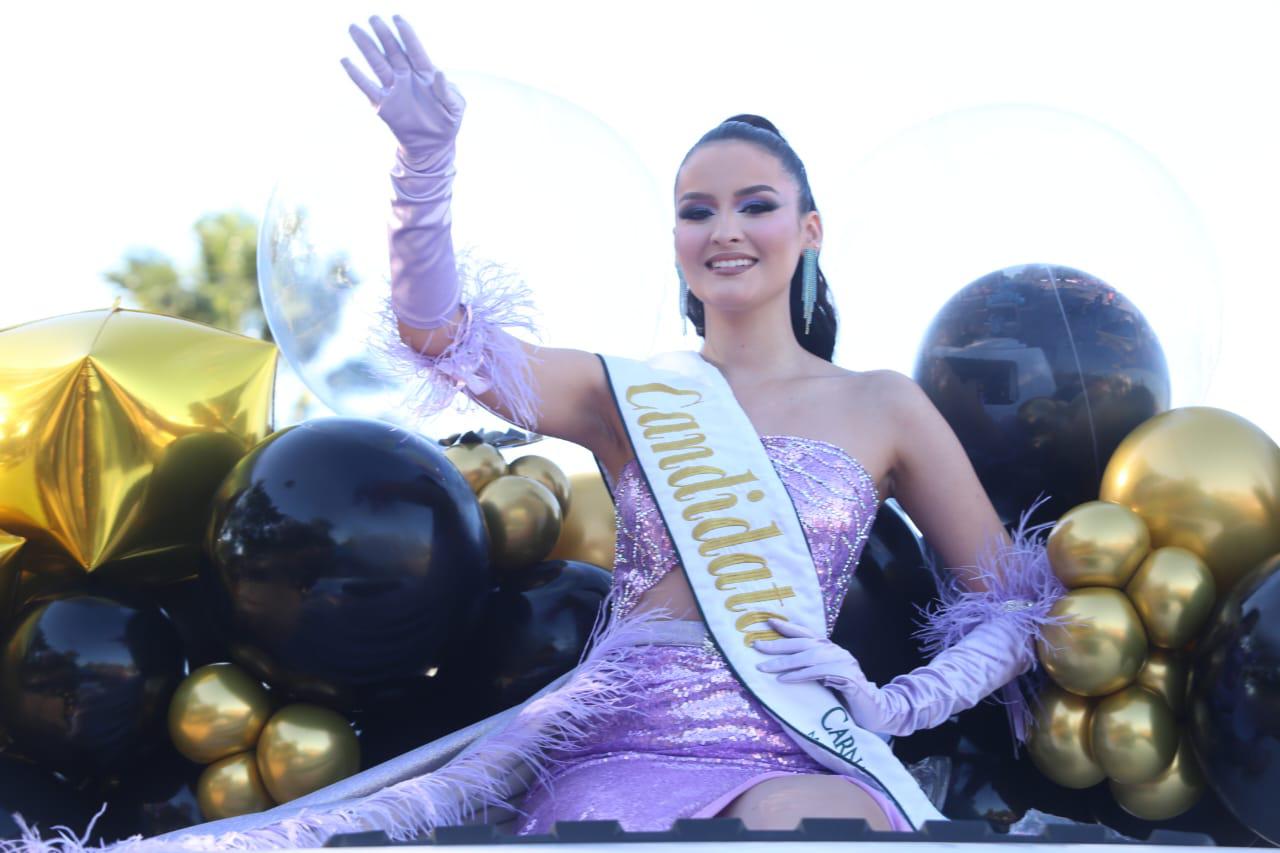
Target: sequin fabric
[(697, 735)]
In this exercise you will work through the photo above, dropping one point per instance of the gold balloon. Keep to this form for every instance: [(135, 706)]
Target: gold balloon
[(94, 405), (232, 787), (1206, 480), (589, 533), (1169, 794), (1135, 735), (1173, 592), (1059, 742), (217, 711), (1098, 544), (523, 518), (303, 748), (547, 473), (1165, 674), (478, 461), (1100, 646)]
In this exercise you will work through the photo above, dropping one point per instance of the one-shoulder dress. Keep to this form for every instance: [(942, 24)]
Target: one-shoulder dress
[(697, 739)]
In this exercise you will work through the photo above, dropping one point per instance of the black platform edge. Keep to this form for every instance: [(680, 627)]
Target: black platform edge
[(810, 829)]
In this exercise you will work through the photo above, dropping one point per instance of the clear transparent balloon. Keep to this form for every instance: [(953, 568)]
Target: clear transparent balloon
[(543, 188), (949, 200)]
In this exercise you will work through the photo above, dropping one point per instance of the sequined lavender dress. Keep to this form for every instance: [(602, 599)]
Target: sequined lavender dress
[(697, 739)]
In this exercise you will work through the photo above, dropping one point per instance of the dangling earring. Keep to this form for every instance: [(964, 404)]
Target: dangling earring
[(684, 302), (809, 285)]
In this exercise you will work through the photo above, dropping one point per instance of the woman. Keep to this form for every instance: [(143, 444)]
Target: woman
[(654, 725), (745, 222)]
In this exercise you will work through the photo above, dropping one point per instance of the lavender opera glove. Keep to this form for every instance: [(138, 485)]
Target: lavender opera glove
[(982, 641), (987, 658), (423, 111)]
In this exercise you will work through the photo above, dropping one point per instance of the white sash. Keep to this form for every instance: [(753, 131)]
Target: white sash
[(741, 546)]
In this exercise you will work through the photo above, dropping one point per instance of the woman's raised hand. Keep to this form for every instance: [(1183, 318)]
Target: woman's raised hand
[(412, 96)]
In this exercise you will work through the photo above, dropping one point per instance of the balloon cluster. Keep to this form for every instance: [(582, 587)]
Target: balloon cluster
[(118, 426), (551, 540), (524, 502), (529, 508), (344, 555), (351, 565), (222, 717), (1187, 499)]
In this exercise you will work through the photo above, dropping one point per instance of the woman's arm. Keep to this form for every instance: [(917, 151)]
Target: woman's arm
[(995, 598), (447, 324), (936, 484)]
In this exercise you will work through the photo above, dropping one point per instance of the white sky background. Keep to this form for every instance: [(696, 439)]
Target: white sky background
[(124, 122)]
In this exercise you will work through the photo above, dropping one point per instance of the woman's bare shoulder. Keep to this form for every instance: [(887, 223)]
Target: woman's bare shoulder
[(878, 385)]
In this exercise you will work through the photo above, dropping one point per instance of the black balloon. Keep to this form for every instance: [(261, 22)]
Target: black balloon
[(41, 799), (530, 630), (1235, 701), (153, 796), (86, 682), (880, 612), (343, 554), (1042, 371)]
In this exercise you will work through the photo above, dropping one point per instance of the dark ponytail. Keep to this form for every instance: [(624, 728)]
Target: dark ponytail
[(821, 340)]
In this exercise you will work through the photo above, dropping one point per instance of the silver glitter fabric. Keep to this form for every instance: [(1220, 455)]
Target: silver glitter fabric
[(697, 736)]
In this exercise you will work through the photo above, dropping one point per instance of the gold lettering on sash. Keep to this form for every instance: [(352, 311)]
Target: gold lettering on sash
[(717, 482), (702, 528), (755, 617), (774, 593), (726, 560), (732, 579), (688, 481), (706, 548), (671, 460), (692, 513), (658, 388), (681, 421)]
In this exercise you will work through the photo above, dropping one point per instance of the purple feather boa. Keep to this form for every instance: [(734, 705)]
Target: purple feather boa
[(462, 790), (482, 357), (1018, 586)]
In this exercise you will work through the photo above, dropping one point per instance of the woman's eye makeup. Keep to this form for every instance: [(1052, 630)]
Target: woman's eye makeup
[(756, 206)]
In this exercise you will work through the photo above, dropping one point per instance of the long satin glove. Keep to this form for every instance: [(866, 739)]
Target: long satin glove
[(982, 641), (423, 111), (988, 658)]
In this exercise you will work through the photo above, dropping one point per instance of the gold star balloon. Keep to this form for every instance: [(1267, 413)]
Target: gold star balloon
[(116, 426)]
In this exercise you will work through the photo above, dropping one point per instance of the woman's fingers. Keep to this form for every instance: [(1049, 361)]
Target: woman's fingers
[(392, 48), (789, 629), (370, 88), (413, 47), (372, 55), (814, 673), (823, 654), (790, 645)]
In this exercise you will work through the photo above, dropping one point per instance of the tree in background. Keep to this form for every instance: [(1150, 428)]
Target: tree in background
[(222, 288)]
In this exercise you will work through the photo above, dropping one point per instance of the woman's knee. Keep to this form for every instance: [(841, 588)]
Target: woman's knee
[(781, 803)]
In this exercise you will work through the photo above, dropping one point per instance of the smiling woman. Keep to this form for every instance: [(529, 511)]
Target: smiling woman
[(746, 477), (748, 144)]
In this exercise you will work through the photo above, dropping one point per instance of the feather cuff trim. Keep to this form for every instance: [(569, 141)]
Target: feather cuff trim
[(482, 356), (1020, 587)]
